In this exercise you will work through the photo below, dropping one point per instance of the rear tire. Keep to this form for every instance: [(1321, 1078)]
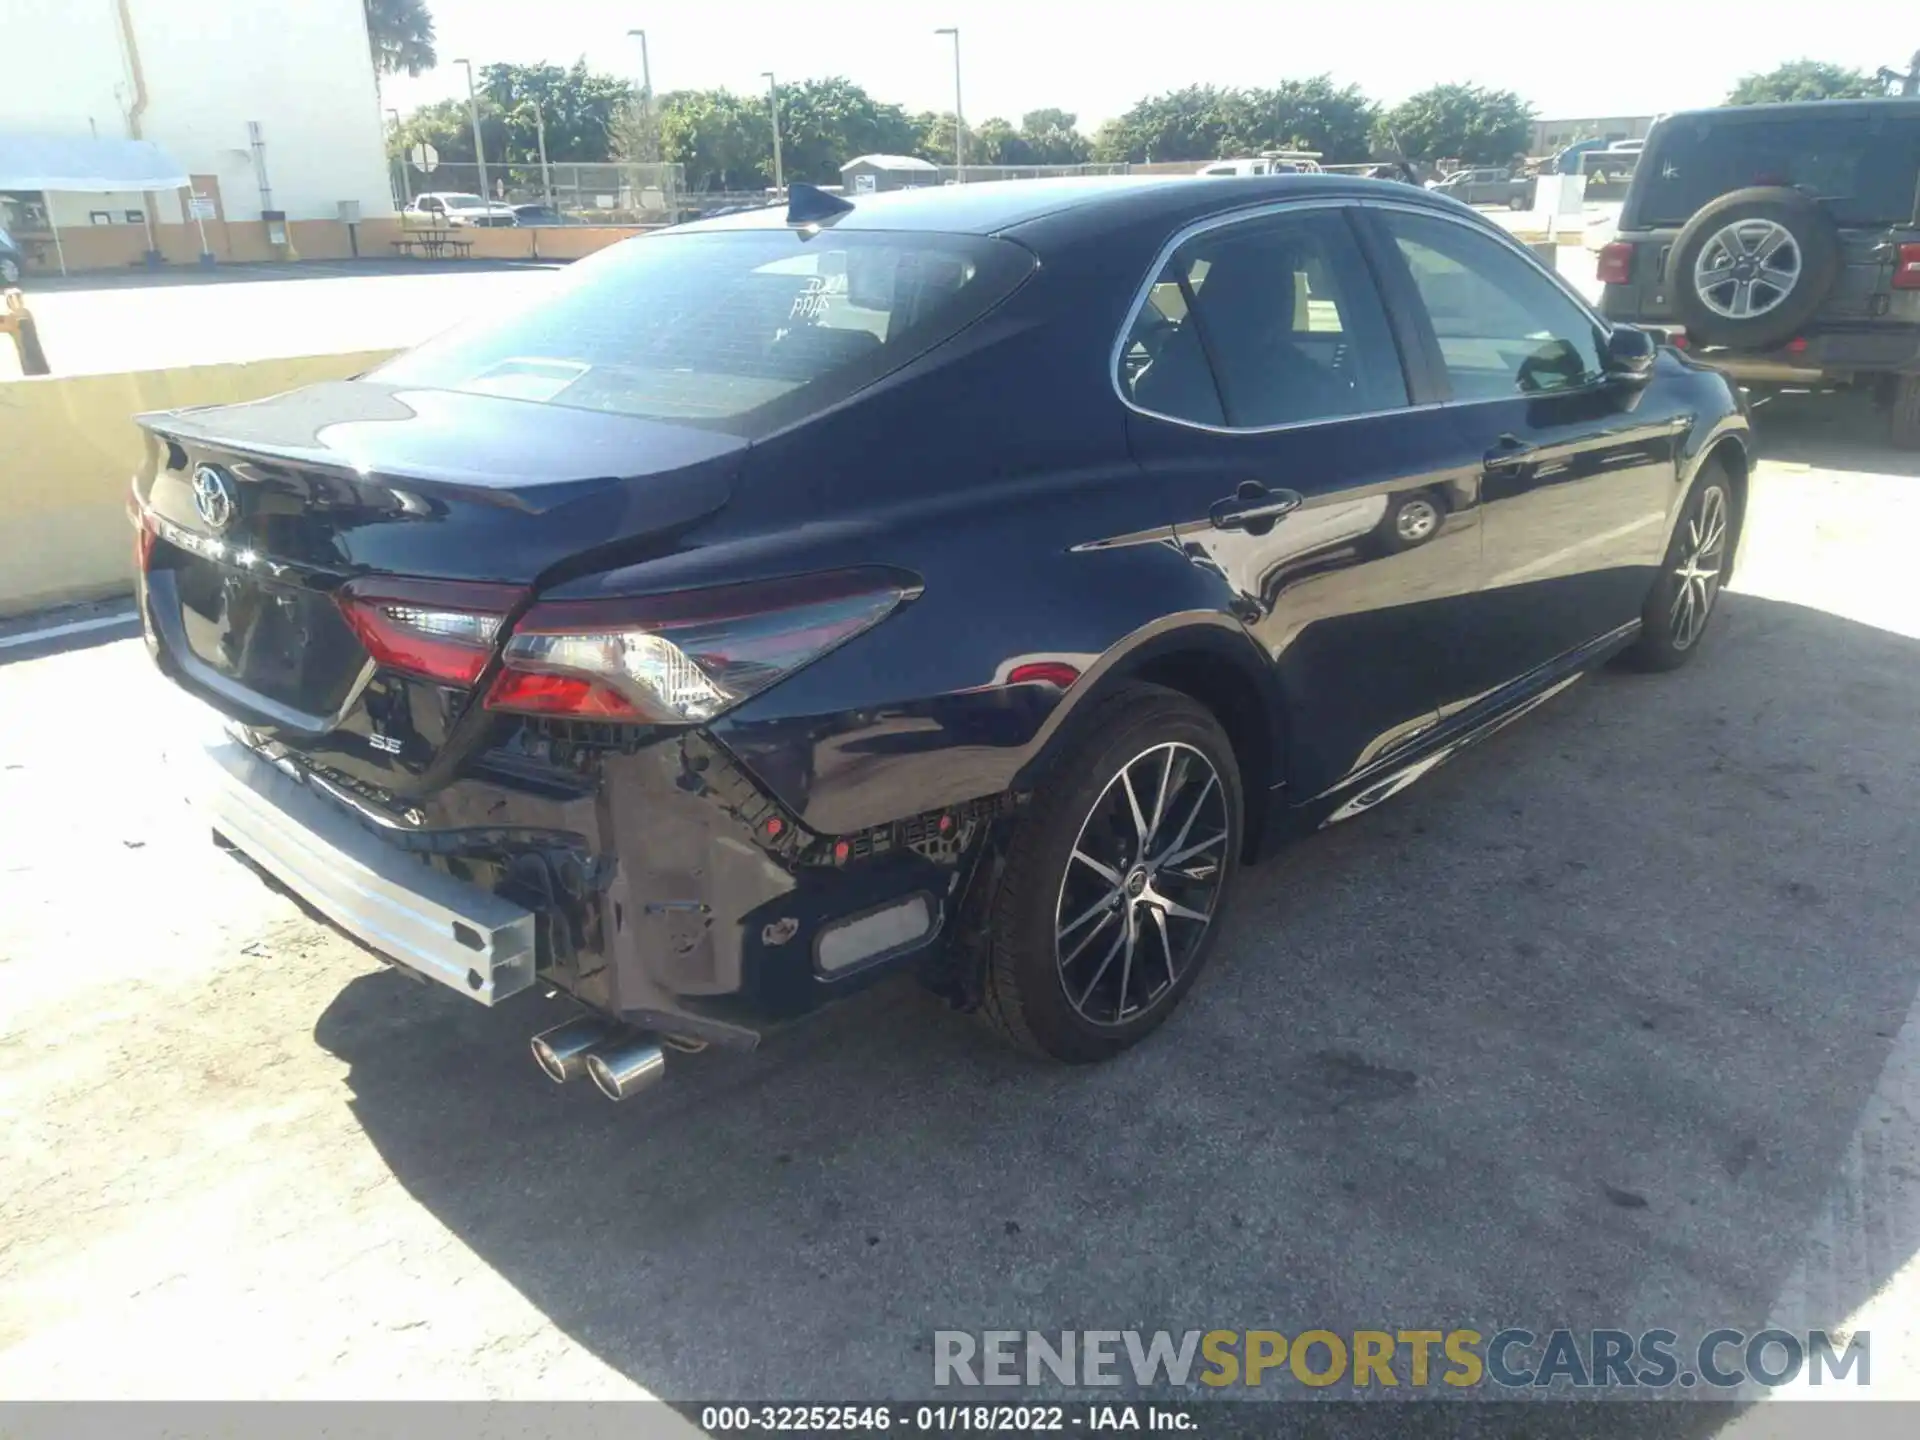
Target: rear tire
[(1699, 558), (1904, 426), (1110, 900), (1774, 313)]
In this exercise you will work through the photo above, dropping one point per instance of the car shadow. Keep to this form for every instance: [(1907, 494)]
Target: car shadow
[(1575, 1032)]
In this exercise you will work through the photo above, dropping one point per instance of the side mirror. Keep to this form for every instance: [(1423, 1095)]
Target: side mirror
[(1630, 352)]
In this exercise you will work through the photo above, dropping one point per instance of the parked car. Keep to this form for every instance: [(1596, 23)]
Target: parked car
[(455, 209), (1488, 186), (538, 215), (964, 580), (12, 262), (1780, 243), (1287, 162)]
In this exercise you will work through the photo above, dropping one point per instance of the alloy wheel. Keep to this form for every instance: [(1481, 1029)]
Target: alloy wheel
[(1747, 269), (1416, 521), (1141, 884), (1698, 573)]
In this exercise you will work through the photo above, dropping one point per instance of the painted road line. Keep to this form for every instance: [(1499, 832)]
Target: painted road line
[(71, 627)]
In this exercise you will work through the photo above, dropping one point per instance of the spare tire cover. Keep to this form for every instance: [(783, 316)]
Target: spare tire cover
[(1752, 267)]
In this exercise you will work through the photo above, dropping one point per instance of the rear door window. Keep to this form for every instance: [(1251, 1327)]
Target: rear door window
[(1267, 322), (1866, 170), (731, 330)]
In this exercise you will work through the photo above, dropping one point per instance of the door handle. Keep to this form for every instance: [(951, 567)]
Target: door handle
[(1510, 452), (1253, 507)]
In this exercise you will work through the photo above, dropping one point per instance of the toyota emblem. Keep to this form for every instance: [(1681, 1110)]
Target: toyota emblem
[(213, 497)]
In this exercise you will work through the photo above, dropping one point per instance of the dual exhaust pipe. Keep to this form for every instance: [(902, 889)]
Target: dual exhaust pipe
[(620, 1061)]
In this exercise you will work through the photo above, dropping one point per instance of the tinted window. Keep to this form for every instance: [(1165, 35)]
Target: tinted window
[(1269, 322), (720, 329), (1503, 327), (1865, 169)]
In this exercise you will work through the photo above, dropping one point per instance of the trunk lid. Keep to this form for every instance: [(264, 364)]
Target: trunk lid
[(256, 516)]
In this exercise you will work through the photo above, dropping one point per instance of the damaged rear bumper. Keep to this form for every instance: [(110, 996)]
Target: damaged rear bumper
[(661, 887), (477, 943)]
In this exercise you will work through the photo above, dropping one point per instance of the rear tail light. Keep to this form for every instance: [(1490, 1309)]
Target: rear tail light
[(442, 631), (683, 658), (1906, 268), (143, 535), (1616, 263)]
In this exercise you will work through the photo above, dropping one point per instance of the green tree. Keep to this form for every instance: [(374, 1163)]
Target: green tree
[(824, 123), (1465, 122), (1053, 137), (1806, 80), (1314, 114), (724, 140), (933, 137), (443, 125), (996, 142), (401, 33), (578, 107), (1197, 123)]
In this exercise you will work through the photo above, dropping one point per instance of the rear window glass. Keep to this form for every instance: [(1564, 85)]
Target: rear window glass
[(1866, 170), (732, 330)]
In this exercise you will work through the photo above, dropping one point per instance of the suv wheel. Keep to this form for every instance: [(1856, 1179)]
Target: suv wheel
[(1752, 267), (1906, 412), (1115, 880)]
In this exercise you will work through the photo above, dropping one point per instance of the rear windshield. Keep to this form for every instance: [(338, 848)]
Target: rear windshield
[(731, 330), (1866, 170)]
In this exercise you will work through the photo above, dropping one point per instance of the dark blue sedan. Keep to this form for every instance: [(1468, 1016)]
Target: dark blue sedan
[(966, 579)]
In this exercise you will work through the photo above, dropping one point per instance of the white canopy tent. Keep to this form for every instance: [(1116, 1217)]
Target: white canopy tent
[(87, 165)]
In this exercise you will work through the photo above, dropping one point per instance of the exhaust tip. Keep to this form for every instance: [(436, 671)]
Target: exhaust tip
[(622, 1070), (562, 1051)]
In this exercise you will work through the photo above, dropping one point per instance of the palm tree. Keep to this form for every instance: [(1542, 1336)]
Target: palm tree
[(402, 36)]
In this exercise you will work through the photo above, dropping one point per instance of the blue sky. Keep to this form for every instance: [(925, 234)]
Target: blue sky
[(1591, 57)]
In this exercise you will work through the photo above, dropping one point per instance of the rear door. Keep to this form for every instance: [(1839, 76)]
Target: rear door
[(1579, 469), (1271, 406)]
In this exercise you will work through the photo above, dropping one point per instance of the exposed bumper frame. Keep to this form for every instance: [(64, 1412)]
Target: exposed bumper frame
[(445, 929)]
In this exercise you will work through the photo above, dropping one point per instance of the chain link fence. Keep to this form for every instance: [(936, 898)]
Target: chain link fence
[(974, 174), (621, 193)]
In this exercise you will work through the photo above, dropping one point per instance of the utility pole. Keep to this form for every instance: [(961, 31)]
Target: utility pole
[(473, 113), (546, 178), (959, 120), (646, 97), (773, 112)]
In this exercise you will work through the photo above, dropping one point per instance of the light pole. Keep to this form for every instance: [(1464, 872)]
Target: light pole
[(546, 176), (773, 111), (473, 112), (646, 94), (959, 122)]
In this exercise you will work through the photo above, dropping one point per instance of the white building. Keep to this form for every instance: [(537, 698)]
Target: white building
[(189, 75)]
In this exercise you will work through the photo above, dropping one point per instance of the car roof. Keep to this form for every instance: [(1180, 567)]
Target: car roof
[(1801, 110), (995, 207)]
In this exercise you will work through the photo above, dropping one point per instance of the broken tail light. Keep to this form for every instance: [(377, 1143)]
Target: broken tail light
[(682, 658), (439, 630)]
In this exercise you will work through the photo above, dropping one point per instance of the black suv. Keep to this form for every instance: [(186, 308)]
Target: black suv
[(1779, 243)]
